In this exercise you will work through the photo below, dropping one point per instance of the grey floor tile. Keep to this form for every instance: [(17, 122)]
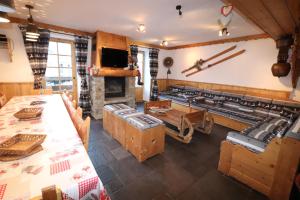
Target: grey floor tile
[(120, 153), (183, 171)]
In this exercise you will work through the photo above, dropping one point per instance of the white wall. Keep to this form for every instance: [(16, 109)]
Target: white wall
[(251, 69), (19, 70)]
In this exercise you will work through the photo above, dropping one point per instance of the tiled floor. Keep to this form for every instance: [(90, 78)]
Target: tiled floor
[(183, 171)]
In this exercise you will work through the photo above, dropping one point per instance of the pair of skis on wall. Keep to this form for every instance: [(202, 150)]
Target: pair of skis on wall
[(197, 67)]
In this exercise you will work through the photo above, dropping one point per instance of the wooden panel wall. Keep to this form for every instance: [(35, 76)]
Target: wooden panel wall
[(274, 94), (18, 89), (139, 94)]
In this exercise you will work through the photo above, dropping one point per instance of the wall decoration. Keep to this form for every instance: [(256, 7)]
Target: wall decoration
[(168, 62), (200, 62), (282, 67), (218, 62), (225, 20)]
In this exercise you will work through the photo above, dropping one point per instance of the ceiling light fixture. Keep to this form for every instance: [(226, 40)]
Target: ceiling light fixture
[(141, 28), (164, 43), (4, 17), (7, 6), (224, 32), (178, 7), (32, 31)]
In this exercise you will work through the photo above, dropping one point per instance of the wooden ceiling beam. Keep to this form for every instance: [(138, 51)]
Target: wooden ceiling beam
[(146, 45), (222, 41), (52, 27)]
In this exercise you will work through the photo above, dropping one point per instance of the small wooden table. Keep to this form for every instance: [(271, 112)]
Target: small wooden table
[(181, 125)]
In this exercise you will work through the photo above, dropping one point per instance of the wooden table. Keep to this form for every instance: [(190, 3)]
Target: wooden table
[(185, 123), (63, 161), (172, 117)]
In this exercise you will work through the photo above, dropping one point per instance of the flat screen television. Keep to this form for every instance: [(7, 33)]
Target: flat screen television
[(114, 58)]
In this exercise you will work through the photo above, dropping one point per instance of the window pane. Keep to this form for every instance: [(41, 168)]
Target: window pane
[(65, 61), (52, 61), (64, 49), (140, 64), (51, 72), (52, 79), (66, 85), (64, 72), (52, 48)]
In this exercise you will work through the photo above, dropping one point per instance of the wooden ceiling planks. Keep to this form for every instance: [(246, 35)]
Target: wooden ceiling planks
[(294, 8), (280, 12), (276, 17)]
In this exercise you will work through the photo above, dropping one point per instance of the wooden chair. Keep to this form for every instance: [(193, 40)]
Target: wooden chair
[(3, 100), (83, 129), (50, 193), (84, 132)]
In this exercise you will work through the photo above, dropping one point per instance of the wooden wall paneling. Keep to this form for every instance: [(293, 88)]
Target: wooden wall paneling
[(230, 123), (21, 89), (221, 41), (139, 94)]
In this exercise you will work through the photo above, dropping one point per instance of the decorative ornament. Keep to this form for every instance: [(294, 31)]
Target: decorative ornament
[(168, 62), (225, 20), (226, 10), (282, 67), (141, 28)]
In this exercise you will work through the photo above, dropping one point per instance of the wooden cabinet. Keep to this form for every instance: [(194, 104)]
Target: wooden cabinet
[(142, 144), (146, 143)]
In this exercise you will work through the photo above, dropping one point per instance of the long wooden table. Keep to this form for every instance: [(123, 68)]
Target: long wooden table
[(63, 161)]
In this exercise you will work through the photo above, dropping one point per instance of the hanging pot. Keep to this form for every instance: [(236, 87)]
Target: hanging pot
[(281, 69)]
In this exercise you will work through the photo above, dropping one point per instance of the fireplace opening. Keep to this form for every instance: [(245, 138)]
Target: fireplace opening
[(114, 87)]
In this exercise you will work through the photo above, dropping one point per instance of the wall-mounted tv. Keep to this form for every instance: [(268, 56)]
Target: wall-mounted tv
[(114, 58)]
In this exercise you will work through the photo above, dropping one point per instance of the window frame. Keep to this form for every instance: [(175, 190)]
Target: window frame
[(73, 63), (141, 68)]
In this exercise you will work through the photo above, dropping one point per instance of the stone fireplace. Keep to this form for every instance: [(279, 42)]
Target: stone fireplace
[(114, 87), (109, 90)]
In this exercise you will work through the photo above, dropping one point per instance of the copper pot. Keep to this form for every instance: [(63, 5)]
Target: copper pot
[(281, 69)]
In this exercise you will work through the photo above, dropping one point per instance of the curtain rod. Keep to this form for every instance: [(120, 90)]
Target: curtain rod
[(70, 34)]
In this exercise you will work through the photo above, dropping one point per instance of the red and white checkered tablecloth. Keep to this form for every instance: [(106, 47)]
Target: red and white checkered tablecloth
[(63, 161)]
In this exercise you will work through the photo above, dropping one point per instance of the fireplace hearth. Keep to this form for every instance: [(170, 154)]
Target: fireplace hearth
[(114, 87)]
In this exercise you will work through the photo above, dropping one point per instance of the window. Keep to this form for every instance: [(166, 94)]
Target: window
[(59, 72), (141, 64)]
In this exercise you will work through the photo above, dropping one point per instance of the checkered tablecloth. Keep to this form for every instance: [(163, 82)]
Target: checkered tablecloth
[(63, 161)]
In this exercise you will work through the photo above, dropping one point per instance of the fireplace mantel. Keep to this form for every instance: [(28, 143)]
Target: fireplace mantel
[(115, 72)]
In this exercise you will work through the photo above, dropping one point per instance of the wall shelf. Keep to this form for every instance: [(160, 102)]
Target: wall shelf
[(116, 72)]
